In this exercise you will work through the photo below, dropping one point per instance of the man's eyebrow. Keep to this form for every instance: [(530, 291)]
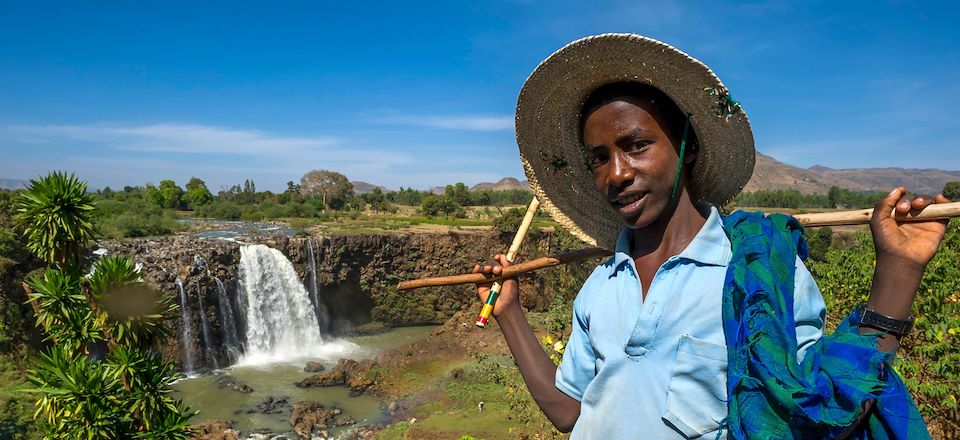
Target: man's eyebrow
[(637, 132)]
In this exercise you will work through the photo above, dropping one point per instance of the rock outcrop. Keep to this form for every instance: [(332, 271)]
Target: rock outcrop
[(354, 277)]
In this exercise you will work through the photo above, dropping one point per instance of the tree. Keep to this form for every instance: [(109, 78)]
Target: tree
[(333, 188), (434, 206), (377, 201), (459, 193), (195, 182), (82, 391), (171, 194), (197, 193), (952, 191)]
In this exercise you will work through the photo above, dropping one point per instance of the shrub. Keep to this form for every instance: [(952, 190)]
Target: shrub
[(929, 358)]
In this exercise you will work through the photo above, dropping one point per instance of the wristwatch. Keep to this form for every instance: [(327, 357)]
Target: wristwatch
[(886, 324)]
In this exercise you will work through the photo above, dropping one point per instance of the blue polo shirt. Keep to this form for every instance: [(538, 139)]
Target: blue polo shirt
[(656, 368)]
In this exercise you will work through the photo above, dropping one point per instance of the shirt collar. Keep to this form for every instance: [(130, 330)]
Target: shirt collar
[(710, 246)]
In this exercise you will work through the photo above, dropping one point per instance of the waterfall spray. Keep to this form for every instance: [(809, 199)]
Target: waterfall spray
[(281, 321)]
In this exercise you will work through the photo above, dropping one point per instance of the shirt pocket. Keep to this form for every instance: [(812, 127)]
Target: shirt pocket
[(697, 397)]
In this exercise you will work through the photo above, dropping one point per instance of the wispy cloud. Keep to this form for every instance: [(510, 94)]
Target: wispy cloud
[(129, 154), (177, 138), (466, 122)]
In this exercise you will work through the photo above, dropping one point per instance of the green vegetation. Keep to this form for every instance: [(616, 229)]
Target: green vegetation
[(101, 377), (929, 358), (952, 191), (836, 197)]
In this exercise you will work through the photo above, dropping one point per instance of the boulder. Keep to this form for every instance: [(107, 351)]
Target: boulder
[(216, 430), (313, 367), (309, 417)]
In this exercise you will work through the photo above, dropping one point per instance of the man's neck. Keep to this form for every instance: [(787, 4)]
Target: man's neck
[(670, 235)]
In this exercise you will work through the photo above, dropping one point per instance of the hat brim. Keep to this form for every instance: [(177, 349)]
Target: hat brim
[(548, 127)]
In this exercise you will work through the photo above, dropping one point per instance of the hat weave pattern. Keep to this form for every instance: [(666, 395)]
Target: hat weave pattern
[(548, 127)]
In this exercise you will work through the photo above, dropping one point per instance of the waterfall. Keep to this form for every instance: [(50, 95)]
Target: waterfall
[(227, 324), (281, 321), (200, 263), (205, 325), (185, 332), (319, 308)]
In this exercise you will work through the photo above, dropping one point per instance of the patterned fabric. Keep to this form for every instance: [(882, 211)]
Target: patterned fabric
[(772, 396)]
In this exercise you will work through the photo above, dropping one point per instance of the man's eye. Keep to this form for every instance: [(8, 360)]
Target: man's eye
[(596, 160), (637, 147)]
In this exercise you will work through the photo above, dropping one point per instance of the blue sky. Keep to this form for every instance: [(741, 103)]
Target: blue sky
[(422, 94)]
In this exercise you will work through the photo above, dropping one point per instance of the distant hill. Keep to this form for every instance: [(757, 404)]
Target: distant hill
[(503, 184), (13, 184), (364, 187), (770, 173)]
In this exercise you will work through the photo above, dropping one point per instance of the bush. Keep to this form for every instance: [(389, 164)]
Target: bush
[(929, 358)]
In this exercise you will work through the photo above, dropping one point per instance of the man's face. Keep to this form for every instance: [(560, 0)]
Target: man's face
[(633, 160)]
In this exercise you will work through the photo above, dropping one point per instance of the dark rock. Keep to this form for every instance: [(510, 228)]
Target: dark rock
[(329, 379), (243, 388), (313, 367), (344, 421), (309, 417), (271, 405), (216, 430)]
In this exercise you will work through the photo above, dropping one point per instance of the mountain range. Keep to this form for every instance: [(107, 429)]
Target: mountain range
[(771, 174)]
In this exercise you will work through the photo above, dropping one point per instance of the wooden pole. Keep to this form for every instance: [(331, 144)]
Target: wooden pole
[(487, 309), (862, 216), (514, 270), (858, 217)]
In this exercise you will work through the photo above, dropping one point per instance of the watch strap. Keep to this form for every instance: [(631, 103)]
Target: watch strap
[(886, 324)]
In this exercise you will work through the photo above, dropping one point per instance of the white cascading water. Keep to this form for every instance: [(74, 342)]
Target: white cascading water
[(207, 338), (185, 332), (227, 324), (281, 321)]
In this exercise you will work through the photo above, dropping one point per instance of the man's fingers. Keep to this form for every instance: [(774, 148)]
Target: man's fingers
[(884, 207)]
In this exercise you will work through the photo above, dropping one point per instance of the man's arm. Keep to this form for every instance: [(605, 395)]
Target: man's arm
[(539, 372)]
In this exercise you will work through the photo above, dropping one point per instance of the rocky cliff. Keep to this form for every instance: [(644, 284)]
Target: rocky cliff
[(354, 280)]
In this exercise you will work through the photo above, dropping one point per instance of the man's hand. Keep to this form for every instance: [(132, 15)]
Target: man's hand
[(912, 244), (509, 287)]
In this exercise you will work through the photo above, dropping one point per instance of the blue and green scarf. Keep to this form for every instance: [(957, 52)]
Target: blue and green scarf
[(772, 396)]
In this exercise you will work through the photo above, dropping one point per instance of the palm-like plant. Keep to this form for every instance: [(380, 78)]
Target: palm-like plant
[(55, 212), (76, 397), (127, 394), (61, 309)]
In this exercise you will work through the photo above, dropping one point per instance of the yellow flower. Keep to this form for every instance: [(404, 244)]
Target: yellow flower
[(558, 347), (547, 339)]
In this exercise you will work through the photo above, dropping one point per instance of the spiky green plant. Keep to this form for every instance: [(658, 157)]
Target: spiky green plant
[(81, 395), (134, 314), (61, 309), (55, 211)]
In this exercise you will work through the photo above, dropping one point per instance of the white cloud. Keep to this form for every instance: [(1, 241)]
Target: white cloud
[(177, 138), (472, 123)]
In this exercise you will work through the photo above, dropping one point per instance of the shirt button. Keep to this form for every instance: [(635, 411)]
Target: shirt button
[(635, 350)]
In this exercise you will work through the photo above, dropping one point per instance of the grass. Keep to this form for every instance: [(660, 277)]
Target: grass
[(16, 408), (386, 223)]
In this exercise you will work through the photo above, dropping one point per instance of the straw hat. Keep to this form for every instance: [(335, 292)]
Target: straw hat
[(548, 127)]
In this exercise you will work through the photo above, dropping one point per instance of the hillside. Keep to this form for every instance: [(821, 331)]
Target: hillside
[(503, 184), (770, 173)]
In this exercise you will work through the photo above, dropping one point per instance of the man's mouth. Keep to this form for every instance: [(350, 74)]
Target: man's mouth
[(629, 204)]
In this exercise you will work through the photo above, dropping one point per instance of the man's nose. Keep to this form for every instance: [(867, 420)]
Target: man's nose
[(621, 172)]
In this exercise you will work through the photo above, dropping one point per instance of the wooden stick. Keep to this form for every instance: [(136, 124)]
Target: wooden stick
[(514, 270), (487, 309), (862, 216), (858, 217)]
